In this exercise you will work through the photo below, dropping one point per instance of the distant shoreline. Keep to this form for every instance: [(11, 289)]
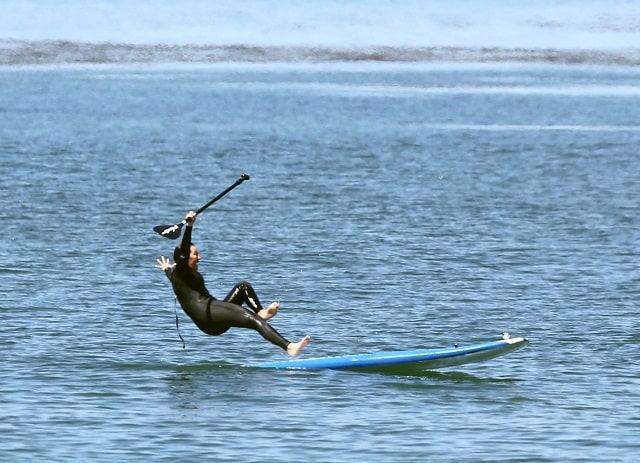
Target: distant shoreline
[(57, 52)]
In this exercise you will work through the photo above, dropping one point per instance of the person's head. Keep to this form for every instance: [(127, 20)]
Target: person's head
[(191, 259)]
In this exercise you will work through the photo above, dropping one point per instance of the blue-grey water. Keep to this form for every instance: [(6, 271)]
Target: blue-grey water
[(389, 207)]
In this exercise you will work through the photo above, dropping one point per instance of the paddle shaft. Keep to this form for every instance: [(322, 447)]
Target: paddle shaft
[(173, 231), (242, 178)]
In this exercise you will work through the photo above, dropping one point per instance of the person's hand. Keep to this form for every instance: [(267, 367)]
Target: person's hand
[(164, 263), (190, 218)]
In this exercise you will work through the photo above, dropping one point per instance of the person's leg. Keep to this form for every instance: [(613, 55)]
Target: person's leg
[(239, 317), (234, 315), (243, 293)]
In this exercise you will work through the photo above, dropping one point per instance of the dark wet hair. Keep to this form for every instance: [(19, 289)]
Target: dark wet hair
[(179, 255)]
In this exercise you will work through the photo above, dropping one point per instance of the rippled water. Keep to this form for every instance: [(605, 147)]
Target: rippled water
[(389, 207)]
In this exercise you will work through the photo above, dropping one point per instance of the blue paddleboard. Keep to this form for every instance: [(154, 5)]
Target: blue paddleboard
[(407, 361)]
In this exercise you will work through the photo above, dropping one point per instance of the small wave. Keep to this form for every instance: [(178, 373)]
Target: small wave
[(55, 52), (531, 127)]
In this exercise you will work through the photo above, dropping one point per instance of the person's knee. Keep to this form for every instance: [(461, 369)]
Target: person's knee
[(246, 288)]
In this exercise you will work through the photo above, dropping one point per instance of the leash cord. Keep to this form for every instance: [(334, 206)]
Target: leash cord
[(175, 311)]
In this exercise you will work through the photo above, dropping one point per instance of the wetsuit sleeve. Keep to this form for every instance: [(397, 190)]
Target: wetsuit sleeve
[(191, 278), (183, 257), (186, 241)]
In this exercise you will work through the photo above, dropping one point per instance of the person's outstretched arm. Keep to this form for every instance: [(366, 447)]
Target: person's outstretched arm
[(164, 264)]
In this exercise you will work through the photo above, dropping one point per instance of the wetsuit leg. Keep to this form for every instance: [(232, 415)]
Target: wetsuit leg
[(243, 293), (229, 314)]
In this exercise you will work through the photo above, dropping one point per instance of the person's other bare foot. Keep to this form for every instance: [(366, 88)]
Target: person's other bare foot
[(270, 311), (294, 348)]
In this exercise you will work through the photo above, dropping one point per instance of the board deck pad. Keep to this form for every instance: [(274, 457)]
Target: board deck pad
[(407, 361)]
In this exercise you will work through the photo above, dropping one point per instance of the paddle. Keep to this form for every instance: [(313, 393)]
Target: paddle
[(173, 231)]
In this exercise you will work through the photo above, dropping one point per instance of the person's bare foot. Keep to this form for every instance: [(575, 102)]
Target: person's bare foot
[(294, 348), (270, 311)]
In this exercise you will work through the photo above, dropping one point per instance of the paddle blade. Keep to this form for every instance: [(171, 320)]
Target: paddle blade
[(169, 231)]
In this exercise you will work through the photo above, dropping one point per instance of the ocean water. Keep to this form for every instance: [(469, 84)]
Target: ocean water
[(390, 206), (420, 176), (570, 24), (143, 31)]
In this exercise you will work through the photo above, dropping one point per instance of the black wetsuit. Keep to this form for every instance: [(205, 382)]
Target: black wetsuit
[(209, 314)]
